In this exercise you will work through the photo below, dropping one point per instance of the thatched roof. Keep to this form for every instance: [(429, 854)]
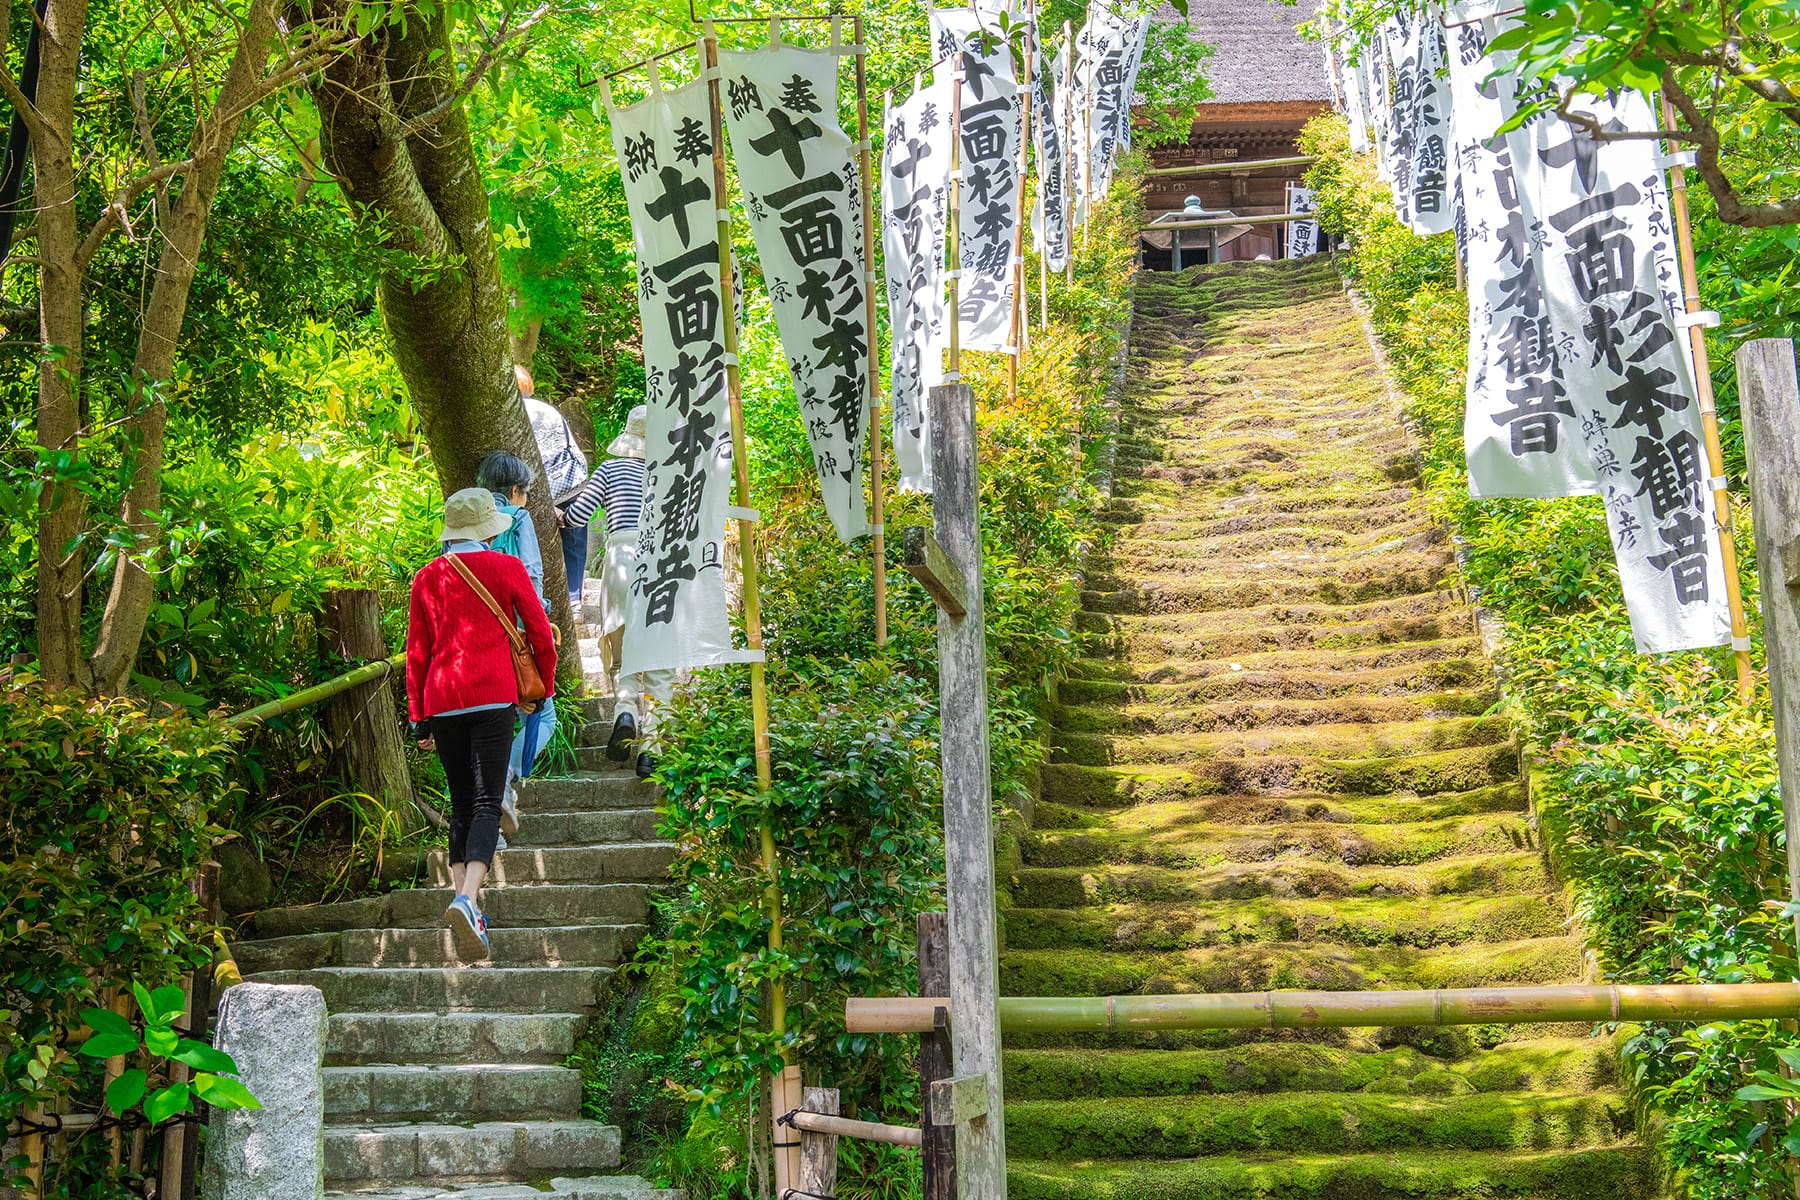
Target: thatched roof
[(1258, 55)]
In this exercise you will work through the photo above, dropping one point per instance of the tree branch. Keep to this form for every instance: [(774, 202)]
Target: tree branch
[(483, 61), (115, 213), (1733, 209), (27, 111)]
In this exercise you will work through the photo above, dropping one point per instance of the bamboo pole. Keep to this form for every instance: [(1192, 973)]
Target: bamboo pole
[(1043, 209), (32, 1147), (786, 1164), (1068, 163), (367, 673), (1087, 131), (878, 526), (1323, 1010), (119, 1001), (868, 1131), (1709, 421)]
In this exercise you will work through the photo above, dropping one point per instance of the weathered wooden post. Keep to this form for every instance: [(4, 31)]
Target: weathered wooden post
[(818, 1151), (950, 567), (938, 1142), (363, 723), (1770, 398)]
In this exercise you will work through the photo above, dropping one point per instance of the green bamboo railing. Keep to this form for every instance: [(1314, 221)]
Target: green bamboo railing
[(367, 673), (1317, 1010)]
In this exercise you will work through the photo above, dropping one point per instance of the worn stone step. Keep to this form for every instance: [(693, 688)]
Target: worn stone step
[(1071, 888), (1151, 645), (1165, 1127), (1425, 774), (444, 1153), (1445, 604), (1343, 808), (551, 828), (1264, 965), (1285, 552), (1278, 534), (1200, 844), (1608, 1173), (1350, 921), (589, 791), (1318, 663), (423, 908), (451, 1093), (526, 865), (355, 1038), (458, 989), (1177, 593), (1121, 720), (1337, 741), (1570, 1065), (1111, 683), (589, 945), (593, 1187)]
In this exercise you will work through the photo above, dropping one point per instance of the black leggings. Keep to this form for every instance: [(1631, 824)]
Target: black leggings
[(474, 748)]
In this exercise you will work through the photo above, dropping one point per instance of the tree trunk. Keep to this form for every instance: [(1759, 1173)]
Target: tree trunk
[(445, 309), (133, 589), (363, 723), (62, 510)]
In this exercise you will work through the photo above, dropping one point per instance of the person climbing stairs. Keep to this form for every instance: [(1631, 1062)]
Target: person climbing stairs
[(1277, 767)]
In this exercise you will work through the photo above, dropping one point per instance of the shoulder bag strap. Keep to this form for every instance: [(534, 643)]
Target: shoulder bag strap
[(512, 632)]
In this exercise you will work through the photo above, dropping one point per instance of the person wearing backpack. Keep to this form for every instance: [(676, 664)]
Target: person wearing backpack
[(467, 670), (565, 470)]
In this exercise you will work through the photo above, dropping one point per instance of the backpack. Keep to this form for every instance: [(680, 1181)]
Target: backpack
[(508, 542)]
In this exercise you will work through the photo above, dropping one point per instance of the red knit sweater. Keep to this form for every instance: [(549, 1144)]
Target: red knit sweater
[(457, 655)]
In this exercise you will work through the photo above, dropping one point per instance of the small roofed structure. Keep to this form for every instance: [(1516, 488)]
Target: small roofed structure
[(1268, 82)]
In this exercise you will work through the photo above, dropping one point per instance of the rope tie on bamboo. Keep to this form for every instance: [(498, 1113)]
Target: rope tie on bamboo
[(1706, 318), (1614, 989), (1740, 643), (723, 215), (1112, 1014), (729, 359), (787, 1119)]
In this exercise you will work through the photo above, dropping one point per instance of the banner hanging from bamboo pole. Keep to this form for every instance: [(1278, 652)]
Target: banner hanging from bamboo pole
[(803, 193), (1108, 51), (675, 612), (1419, 135), (915, 198), (991, 134), (1050, 222)]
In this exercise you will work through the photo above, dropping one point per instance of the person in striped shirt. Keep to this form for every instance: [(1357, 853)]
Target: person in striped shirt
[(616, 488)]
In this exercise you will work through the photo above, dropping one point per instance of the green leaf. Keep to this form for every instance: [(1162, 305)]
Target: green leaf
[(203, 1057), (161, 1041), (222, 1092), (126, 1090), (102, 1020), (166, 1004), (167, 1102), (105, 1045), (1758, 1091)]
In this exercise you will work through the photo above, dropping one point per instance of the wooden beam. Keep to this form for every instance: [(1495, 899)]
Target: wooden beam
[(938, 1168), (868, 1131), (818, 1151), (926, 562), (1227, 222), (1769, 394), (1213, 168), (969, 878), (957, 1101)]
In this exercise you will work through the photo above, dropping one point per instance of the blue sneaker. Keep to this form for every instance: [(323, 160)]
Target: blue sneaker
[(468, 929)]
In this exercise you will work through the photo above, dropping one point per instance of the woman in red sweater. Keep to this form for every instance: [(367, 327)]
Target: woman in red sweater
[(461, 693)]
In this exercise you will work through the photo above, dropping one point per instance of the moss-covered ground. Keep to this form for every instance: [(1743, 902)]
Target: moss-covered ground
[(1276, 768)]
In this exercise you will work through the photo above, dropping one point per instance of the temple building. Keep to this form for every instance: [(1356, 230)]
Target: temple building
[(1267, 83)]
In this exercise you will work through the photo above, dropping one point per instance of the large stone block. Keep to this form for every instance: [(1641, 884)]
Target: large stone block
[(276, 1035)]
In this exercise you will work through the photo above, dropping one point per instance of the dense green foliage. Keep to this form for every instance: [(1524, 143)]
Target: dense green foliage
[(1657, 784), (104, 824)]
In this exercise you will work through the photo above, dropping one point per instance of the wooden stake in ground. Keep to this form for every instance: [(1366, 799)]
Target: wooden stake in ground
[(879, 501), (786, 1155), (1709, 419), (938, 1142)]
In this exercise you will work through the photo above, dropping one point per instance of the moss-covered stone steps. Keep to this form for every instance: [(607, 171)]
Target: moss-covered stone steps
[(1626, 1172), (1259, 966), (1279, 616), (1351, 739), (1313, 665), (1116, 720), (1570, 1065), (1345, 809), (1177, 593), (1350, 921), (1072, 888), (1094, 686)]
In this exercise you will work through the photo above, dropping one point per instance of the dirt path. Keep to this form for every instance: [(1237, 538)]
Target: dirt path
[(1274, 770)]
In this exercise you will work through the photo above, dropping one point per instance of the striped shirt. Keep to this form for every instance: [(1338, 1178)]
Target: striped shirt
[(617, 486)]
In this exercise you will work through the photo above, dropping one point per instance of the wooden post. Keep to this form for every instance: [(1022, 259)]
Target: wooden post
[(1709, 421), (119, 1002), (968, 814), (939, 1145), (818, 1151), (786, 1158), (31, 1145), (879, 529), (363, 723), (1769, 396)]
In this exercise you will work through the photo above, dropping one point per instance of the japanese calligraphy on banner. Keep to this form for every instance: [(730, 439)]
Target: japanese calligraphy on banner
[(915, 200), (1109, 50), (675, 612), (1419, 130), (1050, 223), (803, 192), (991, 128), (1302, 236)]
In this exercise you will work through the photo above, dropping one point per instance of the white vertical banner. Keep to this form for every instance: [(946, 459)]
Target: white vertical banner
[(1050, 224), (1378, 97), (1108, 51), (992, 129), (1356, 108), (1606, 233), (803, 192), (1419, 135), (1302, 236), (675, 612), (915, 199)]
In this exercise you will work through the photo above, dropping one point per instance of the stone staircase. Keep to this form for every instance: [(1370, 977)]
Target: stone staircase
[(1275, 768), (444, 1080)]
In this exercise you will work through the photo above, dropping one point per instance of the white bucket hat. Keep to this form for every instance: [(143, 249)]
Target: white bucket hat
[(630, 442), (470, 515)]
